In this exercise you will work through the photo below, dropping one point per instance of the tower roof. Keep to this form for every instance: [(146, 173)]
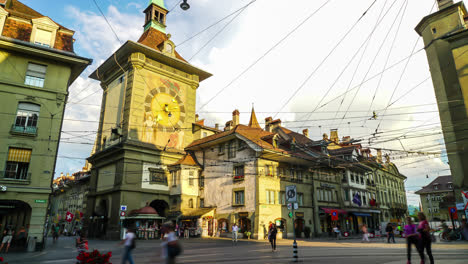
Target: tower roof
[(159, 3), (253, 120)]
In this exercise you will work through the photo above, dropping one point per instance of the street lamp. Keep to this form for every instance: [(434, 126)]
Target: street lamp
[(185, 5)]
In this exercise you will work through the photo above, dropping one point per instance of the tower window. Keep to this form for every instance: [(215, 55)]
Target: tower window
[(434, 30)]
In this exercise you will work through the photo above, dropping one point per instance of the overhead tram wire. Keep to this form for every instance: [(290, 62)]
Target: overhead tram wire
[(324, 59), (403, 8), (212, 25), (221, 30), (264, 55), (364, 52), (401, 77)]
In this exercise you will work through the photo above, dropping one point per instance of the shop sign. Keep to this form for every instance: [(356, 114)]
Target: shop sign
[(40, 201), (243, 214), (300, 214), (326, 185)]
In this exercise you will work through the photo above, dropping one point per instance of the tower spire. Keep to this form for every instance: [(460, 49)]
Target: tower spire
[(253, 120)]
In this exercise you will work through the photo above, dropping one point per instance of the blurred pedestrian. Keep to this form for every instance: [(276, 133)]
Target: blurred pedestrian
[(337, 232), (7, 237), (186, 232), (55, 233), (235, 229), (425, 237), (464, 229), (81, 242), (171, 247), (365, 233), (412, 237), (390, 233), (272, 236), (129, 243), (22, 237)]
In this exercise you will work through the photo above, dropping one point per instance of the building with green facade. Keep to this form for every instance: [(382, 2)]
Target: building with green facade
[(37, 66)]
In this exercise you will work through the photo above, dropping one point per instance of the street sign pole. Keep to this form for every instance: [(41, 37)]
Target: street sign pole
[(295, 257)]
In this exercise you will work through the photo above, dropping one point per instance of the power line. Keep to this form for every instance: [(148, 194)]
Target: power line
[(264, 55)]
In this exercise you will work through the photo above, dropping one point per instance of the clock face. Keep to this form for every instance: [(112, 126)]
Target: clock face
[(166, 108)]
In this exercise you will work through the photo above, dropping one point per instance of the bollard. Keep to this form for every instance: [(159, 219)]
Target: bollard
[(295, 257)]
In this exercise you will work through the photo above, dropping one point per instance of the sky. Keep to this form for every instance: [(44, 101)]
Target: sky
[(321, 65)]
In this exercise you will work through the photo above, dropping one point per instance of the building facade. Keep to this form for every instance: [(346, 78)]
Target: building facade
[(445, 36), (435, 198), (37, 66), (147, 119)]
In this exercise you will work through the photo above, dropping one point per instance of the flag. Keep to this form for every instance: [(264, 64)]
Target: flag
[(69, 217), (373, 202), (357, 199)]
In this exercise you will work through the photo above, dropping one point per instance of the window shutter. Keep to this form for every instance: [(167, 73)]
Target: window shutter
[(43, 37), (36, 70)]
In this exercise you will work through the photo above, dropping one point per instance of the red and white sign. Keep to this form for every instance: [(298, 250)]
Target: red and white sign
[(123, 213), (346, 234), (69, 217)]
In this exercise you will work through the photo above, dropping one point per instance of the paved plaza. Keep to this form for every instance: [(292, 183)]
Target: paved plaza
[(222, 251)]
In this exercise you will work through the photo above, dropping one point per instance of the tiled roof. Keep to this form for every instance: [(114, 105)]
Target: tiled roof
[(17, 29), (342, 151), (442, 183), (186, 160), (300, 138), (259, 137), (153, 38)]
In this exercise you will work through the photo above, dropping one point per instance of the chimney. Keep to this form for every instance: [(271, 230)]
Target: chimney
[(305, 132), (379, 156), (217, 126), (235, 117), (274, 124), (267, 123), (228, 126), (196, 117), (444, 3), (334, 136), (325, 136)]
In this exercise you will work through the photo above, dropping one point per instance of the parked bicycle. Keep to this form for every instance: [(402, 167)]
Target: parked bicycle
[(451, 235)]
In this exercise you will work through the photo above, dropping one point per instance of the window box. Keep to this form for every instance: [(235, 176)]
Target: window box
[(24, 130), (239, 177)]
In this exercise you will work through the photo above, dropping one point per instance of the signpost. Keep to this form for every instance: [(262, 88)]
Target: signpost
[(291, 197), (334, 215)]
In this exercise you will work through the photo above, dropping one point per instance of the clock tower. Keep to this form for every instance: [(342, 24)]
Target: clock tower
[(147, 112)]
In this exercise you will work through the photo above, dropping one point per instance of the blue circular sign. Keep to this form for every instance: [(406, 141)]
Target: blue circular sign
[(452, 210)]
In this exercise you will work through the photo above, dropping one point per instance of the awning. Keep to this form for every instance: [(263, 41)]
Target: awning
[(19, 155), (328, 210), (361, 214), (197, 213)]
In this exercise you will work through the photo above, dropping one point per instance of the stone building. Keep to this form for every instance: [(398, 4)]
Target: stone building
[(147, 119), (432, 198), (69, 195), (445, 35), (245, 170), (37, 66)]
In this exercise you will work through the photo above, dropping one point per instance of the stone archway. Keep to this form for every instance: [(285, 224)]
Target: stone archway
[(14, 214), (161, 206)]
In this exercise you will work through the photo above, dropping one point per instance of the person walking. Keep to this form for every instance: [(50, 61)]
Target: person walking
[(55, 232), (425, 238), (337, 232), (235, 230), (171, 247), (22, 237), (390, 233), (129, 243), (7, 237), (272, 236), (412, 237), (81, 242), (365, 234), (186, 232)]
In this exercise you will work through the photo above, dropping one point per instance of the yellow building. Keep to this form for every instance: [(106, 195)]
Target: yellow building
[(433, 197), (445, 35), (147, 117), (37, 66)]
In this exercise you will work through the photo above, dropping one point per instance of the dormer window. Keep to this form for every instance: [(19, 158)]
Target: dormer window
[(44, 31), (436, 187)]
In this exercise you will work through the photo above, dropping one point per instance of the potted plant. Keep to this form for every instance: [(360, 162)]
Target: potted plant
[(248, 234)]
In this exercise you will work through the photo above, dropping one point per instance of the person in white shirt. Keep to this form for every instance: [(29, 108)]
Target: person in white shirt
[(235, 230), (129, 243), (337, 232)]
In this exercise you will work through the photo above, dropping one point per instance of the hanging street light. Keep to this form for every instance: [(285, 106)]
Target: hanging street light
[(185, 5)]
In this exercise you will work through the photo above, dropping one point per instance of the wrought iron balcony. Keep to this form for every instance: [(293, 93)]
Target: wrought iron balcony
[(24, 130)]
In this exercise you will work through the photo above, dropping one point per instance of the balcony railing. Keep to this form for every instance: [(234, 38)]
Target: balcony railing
[(32, 131), (10, 176)]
